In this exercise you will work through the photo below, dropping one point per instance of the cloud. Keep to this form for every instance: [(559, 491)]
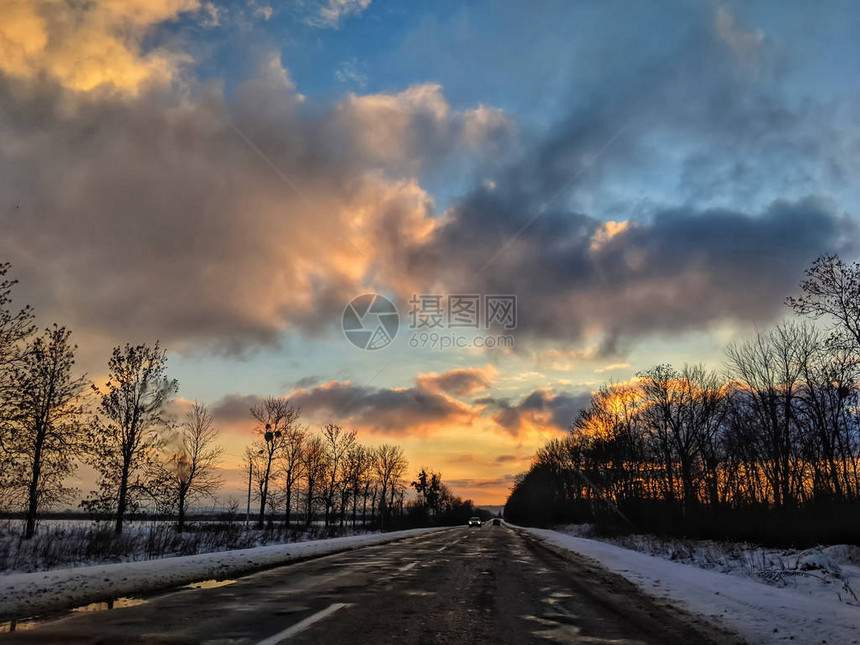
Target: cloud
[(458, 382), (235, 408), (87, 45), (612, 368), (508, 459), (306, 381), (746, 45), (481, 483), (735, 218), (430, 405), (680, 270), (564, 360), (398, 411), (153, 218), (144, 214), (330, 14), (540, 409), (482, 488), (417, 126), (350, 73)]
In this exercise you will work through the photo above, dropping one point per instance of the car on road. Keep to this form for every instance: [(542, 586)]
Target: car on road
[(474, 521)]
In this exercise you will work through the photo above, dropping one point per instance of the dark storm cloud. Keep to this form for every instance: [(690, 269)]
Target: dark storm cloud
[(539, 407), (421, 409), (682, 269), (235, 407), (389, 411), (400, 411), (712, 101)]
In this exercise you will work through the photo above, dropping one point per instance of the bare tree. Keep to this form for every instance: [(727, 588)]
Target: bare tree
[(707, 405), (274, 417), (190, 472), (770, 367), (832, 289), (47, 423), (314, 463), (15, 327), (292, 464), (338, 443), (390, 466), (125, 435), (357, 473)]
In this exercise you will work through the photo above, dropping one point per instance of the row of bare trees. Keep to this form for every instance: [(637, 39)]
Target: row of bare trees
[(293, 471), (53, 421), (778, 428)]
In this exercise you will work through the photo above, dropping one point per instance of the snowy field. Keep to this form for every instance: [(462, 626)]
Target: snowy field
[(766, 595), (25, 595), (61, 544)]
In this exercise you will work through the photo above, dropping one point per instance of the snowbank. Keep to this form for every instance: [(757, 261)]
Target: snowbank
[(761, 613), (31, 594)]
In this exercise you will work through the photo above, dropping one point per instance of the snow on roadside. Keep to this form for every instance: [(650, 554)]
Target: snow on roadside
[(761, 613), (31, 594), (831, 572)]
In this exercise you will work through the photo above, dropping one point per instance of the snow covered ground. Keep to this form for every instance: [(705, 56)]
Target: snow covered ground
[(61, 544), (31, 594), (767, 596)]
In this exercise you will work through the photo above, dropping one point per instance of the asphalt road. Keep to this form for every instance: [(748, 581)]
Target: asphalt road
[(487, 585)]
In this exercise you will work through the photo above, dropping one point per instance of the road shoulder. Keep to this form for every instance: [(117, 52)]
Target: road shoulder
[(26, 595), (640, 603)]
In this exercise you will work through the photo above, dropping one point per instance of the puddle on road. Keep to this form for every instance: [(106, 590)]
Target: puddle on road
[(30, 623), (209, 584), (13, 626), (118, 603)]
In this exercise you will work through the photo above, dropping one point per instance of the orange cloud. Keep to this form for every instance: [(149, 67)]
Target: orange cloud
[(612, 368), (417, 125), (458, 382), (86, 45)]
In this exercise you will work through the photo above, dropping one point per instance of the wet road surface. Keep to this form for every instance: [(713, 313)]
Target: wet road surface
[(479, 585)]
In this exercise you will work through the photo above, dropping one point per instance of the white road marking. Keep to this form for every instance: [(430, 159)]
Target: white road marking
[(455, 542), (302, 625), (408, 566)]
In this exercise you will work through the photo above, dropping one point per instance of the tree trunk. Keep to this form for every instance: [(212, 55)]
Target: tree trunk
[(123, 497), (180, 525), (310, 517), (33, 497), (264, 493)]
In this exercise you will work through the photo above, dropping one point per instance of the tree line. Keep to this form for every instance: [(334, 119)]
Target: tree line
[(766, 449), (52, 421), (297, 476), (292, 471)]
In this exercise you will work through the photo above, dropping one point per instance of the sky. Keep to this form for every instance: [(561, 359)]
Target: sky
[(648, 180)]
